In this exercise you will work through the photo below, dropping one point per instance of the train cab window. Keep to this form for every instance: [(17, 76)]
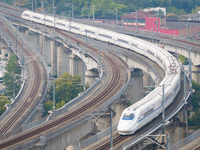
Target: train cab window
[(128, 116)]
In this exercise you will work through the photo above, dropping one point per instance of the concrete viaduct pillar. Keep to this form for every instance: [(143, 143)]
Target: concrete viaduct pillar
[(196, 73), (53, 58), (71, 64), (42, 44), (59, 60), (136, 92), (90, 76)]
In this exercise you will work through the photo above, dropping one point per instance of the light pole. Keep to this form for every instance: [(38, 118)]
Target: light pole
[(42, 6), (163, 109), (54, 87), (93, 14), (87, 7), (190, 70), (54, 11), (157, 21), (99, 58), (72, 9), (15, 80), (136, 20), (187, 29), (112, 11), (163, 103), (70, 28)]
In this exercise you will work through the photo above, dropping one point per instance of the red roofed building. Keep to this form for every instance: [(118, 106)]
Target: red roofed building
[(144, 20), (147, 21), (130, 19)]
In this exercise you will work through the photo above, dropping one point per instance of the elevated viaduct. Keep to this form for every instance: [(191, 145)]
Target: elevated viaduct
[(53, 62)]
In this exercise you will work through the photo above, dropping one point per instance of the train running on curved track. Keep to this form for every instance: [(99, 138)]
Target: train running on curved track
[(145, 110)]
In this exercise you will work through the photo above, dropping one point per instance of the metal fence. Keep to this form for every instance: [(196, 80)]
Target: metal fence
[(186, 141), (87, 142)]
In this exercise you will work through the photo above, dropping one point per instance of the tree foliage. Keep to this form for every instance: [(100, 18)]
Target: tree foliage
[(67, 87), (196, 119), (102, 7), (195, 102), (195, 99), (3, 101), (12, 76), (48, 105), (183, 60), (196, 9)]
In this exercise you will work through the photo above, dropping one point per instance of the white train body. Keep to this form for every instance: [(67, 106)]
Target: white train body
[(145, 110)]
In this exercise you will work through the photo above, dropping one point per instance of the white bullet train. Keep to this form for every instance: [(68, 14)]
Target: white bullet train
[(145, 110)]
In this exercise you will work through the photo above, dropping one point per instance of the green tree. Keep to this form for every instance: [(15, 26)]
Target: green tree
[(196, 119), (60, 104), (195, 10), (3, 101), (173, 9), (48, 105), (2, 107), (195, 99), (12, 76), (67, 87), (183, 60)]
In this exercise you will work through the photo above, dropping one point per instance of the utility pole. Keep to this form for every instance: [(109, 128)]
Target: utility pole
[(32, 5), (42, 6), (93, 14), (116, 16), (36, 5), (13, 86), (111, 130), (70, 28), (72, 11), (16, 41), (157, 22), (99, 59), (136, 23), (22, 53), (53, 94), (190, 70), (86, 40), (83, 76), (184, 98), (163, 110), (54, 19)]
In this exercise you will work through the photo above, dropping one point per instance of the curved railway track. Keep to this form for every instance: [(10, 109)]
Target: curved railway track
[(34, 90), (115, 80), (123, 139), (198, 148), (118, 139)]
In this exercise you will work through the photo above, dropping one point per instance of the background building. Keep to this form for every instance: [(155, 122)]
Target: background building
[(187, 25)]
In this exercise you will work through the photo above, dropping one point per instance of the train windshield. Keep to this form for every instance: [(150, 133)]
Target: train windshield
[(128, 116)]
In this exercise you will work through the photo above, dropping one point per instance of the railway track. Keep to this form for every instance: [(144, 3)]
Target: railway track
[(117, 139), (115, 83), (198, 148), (34, 90)]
